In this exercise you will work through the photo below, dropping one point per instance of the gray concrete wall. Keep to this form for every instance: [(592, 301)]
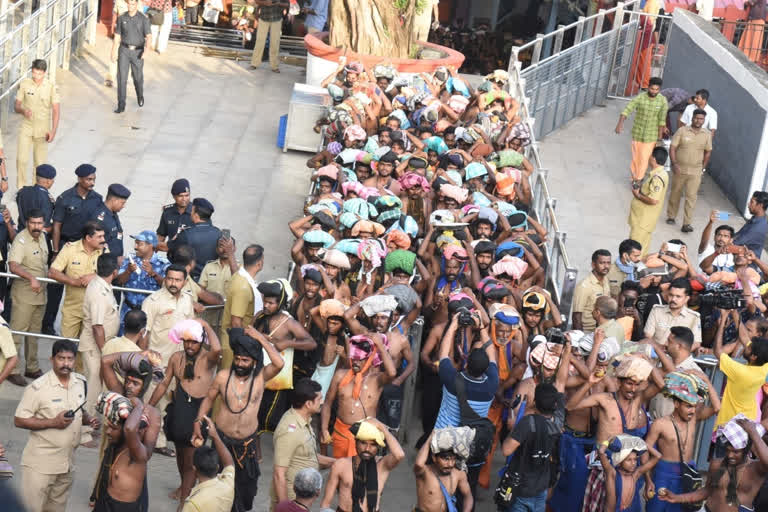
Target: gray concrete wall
[(699, 57)]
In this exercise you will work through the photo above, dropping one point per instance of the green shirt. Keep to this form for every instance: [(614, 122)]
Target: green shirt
[(650, 113)]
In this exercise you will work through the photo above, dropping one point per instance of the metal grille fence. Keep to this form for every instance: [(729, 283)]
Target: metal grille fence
[(749, 37)]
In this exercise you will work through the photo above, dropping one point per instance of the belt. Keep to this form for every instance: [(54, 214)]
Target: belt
[(132, 46)]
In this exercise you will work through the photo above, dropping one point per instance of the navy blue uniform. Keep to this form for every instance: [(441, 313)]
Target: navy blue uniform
[(73, 212), (31, 197), (203, 237), (171, 221), (113, 230)]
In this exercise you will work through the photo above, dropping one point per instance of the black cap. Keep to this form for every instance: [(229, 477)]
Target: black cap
[(84, 170), (201, 202), (46, 171), (180, 186), (118, 190), (389, 157)]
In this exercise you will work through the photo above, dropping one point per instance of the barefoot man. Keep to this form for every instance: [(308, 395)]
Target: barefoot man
[(241, 388), (193, 370), (438, 481), (358, 390), (132, 430), (359, 479)]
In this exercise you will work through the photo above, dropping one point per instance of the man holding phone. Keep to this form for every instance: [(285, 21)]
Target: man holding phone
[(719, 257)]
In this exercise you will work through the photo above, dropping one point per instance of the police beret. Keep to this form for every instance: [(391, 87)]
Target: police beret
[(118, 190), (180, 186), (201, 202), (84, 170), (46, 171)]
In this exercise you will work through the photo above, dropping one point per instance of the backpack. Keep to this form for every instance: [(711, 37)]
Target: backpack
[(485, 430)]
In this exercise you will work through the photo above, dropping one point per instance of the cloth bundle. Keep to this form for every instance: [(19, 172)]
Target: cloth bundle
[(376, 304)]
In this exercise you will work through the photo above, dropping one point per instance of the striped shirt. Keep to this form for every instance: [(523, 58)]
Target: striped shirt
[(480, 393), (650, 114)]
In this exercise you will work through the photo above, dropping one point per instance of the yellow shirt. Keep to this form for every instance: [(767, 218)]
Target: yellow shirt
[(644, 215), (99, 308), (214, 495), (744, 381), (294, 443), (584, 297), (239, 302), (163, 311), (32, 256), (51, 451), (7, 347), (39, 99), (75, 262), (216, 277)]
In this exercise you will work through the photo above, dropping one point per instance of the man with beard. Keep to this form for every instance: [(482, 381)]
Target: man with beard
[(51, 409), (144, 270), (193, 370), (623, 268), (380, 311), (243, 299), (28, 258), (132, 431), (675, 356), (650, 125), (383, 181), (675, 313), (438, 480), (356, 401), (360, 479), (676, 432), (165, 308), (589, 289), (733, 481), (334, 262), (481, 259), (401, 264), (328, 331), (241, 388), (307, 247), (313, 281), (414, 195), (717, 258), (453, 263)]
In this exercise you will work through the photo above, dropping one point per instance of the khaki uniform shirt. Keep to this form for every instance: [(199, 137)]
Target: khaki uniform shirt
[(191, 287), (690, 146), (214, 495), (584, 297), (644, 215), (32, 256), (40, 100), (613, 329), (119, 344), (239, 302), (51, 451), (615, 278), (75, 262), (7, 347), (99, 308), (661, 320), (163, 311), (294, 443), (216, 277)]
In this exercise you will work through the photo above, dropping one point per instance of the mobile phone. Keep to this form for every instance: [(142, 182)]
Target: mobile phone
[(226, 234), (2, 208), (673, 247), (732, 249), (723, 215), (629, 302)]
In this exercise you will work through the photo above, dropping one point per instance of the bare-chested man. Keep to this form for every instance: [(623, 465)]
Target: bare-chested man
[(441, 470), (358, 390), (360, 479), (733, 481), (237, 421), (132, 431), (193, 370), (328, 331), (677, 431)]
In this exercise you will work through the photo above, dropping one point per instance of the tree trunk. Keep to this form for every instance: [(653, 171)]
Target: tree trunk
[(373, 27)]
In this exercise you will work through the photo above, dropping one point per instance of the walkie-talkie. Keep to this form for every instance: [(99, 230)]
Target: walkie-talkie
[(71, 413)]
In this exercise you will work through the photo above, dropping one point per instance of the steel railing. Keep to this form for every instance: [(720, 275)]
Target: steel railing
[(749, 36)]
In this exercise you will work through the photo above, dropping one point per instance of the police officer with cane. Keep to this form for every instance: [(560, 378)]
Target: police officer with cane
[(132, 35)]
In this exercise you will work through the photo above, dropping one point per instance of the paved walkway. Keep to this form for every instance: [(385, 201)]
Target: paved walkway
[(589, 176)]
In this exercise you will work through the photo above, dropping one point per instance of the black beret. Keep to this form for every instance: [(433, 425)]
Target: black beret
[(118, 190), (201, 202), (46, 171), (179, 187), (84, 170)]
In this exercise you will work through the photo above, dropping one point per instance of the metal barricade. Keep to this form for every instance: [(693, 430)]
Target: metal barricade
[(748, 36), (704, 428), (39, 29), (408, 407)]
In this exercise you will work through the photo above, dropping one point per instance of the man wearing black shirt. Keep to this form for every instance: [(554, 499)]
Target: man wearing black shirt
[(132, 34)]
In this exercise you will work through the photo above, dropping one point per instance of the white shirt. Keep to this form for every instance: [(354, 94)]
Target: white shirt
[(721, 261), (710, 121)]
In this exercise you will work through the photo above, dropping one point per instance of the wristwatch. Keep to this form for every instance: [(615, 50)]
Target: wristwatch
[(4, 178)]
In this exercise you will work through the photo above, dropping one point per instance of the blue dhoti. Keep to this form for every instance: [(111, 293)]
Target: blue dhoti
[(568, 494), (668, 475)]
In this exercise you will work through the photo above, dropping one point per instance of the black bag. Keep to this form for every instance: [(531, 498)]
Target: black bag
[(690, 478), (485, 430), (155, 16)]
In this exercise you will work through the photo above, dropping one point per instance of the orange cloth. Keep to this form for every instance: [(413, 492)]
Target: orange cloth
[(343, 440), (643, 72), (751, 42), (628, 323), (641, 153), (358, 376)]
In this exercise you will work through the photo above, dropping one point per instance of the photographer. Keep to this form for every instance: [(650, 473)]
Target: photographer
[(628, 316), (675, 313), (717, 258)]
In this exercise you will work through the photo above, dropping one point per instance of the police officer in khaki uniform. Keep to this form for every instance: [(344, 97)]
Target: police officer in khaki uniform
[(28, 258), (164, 308), (645, 209), (595, 285), (75, 267), (8, 356), (36, 100), (50, 410), (675, 313), (217, 275), (101, 320)]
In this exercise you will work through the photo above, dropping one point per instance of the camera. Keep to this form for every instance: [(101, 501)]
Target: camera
[(555, 335), (629, 302), (466, 317), (725, 299)]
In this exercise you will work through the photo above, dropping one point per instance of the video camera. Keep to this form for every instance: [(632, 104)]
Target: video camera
[(466, 316), (723, 299)]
